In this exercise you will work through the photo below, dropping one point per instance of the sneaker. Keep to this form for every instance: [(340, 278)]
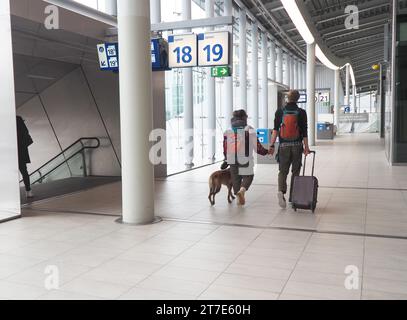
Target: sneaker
[(241, 201), (281, 200), (29, 194)]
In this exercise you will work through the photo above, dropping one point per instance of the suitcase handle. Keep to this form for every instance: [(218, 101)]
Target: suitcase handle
[(313, 163)]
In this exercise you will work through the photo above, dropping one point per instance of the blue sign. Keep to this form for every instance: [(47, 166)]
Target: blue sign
[(263, 136), (159, 54), (347, 109), (108, 56)]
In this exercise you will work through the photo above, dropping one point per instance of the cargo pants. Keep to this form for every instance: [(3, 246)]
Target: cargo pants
[(289, 156)]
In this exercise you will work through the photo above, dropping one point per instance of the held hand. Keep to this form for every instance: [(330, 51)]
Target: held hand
[(307, 151), (271, 151)]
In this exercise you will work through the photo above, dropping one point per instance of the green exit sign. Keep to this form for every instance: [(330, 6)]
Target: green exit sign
[(220, 72)]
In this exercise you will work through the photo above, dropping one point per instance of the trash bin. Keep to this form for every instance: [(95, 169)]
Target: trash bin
[(325, 131)]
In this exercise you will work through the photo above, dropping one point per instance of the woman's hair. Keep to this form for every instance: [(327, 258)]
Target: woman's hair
[(240, 114)]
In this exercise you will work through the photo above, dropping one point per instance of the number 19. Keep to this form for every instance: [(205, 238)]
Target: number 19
[(217, 52)]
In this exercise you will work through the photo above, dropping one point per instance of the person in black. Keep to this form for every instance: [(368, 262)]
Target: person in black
[(24, 141), (290, 150)]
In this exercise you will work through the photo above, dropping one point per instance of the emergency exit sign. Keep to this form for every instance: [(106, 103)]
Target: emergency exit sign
[(220, 72)]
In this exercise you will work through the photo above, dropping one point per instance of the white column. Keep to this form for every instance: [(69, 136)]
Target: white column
[(279, 68), (110, 6), (336, 98), (9, 183), (296, 74), (188, 99), (210, 97), (255, 76), (311, 93), (243, 58), (347, 85), (299, 74), (304, 75), (155, 11), (136, 110), (292, 75), (228, 82), (272, 65), (264, 81), (287, 72), (354, 98)]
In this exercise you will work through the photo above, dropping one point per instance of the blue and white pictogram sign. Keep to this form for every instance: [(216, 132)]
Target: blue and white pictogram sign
[(108, 56), (263, 136)]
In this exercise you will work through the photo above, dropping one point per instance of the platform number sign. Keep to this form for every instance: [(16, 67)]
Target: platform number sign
[(108, 56), (213, 48), (182, 51)]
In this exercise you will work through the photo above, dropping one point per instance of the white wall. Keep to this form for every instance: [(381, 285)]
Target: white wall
[(9, 187), (73, 114)]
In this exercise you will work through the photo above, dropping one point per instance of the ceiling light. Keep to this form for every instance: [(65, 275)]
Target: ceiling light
[(296, 17)]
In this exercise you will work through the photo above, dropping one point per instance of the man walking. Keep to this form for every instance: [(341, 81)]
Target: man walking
[(291, 127)]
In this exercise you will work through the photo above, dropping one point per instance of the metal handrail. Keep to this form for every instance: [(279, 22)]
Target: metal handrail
[(84, 147)]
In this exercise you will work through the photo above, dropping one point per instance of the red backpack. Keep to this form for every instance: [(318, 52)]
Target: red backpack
[(289, 129)]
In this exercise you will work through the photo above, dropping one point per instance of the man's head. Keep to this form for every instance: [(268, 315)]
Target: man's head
[(293, 96)]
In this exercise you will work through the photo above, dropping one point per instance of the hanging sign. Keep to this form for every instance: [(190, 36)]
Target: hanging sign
[(108, 56), (182, 51), (213, 48)]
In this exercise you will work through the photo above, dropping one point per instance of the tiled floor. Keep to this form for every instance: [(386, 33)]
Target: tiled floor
[(222, 252)]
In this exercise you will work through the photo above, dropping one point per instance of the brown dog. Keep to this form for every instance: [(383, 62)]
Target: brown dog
[(215, 184)]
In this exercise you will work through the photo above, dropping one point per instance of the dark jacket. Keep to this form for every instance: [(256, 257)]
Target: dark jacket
[(24, 140), (302, 119)]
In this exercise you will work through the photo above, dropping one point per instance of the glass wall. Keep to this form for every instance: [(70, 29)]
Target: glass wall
[(171, 11), (400, 139)]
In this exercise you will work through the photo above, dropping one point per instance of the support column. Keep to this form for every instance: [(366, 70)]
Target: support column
[(272, 72), (292, 75), (110, 6), (188, 99), (311, 93), (210, 97), (243, 58), (279, 71), (296, 74), (354, 99), (347, 85), (299, 73), (136, 111), (303, 75), (255, 75), (336, 98), (228, 81), (9, 183), (155, 11), (265, 81), (287, 72)]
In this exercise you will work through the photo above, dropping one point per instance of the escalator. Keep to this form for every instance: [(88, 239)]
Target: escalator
[(66, 173)]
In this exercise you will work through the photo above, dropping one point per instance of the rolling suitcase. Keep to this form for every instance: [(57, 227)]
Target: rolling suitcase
[(305, 190)]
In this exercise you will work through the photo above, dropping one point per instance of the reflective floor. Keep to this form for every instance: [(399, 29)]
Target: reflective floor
[(354, 247)]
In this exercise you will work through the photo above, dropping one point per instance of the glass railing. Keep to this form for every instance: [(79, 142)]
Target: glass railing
[(69, 163)]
